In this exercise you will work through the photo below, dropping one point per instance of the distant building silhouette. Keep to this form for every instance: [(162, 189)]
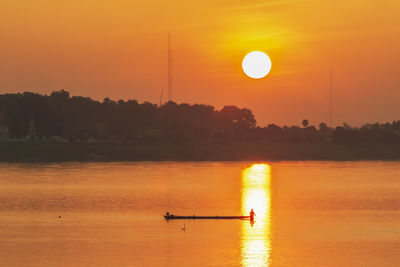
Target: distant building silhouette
[(32, 128), (4, 133), (4, 130)]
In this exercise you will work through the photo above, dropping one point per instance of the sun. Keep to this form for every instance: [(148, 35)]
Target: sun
[(256, 64)]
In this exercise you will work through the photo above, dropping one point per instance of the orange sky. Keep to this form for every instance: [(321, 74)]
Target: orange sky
[(119, 49)]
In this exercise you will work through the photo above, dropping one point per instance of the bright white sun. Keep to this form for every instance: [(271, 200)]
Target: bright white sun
[(256, 64)]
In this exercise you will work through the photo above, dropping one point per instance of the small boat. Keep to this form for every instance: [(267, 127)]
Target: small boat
[(94, 156), (168, 216)]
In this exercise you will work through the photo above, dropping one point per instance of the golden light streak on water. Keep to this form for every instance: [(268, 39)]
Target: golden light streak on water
[(256, 194)]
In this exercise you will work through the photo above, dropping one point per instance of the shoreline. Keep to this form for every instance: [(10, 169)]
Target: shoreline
[(49, 152)]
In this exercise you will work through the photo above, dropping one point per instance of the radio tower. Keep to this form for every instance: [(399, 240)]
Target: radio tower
[(331, 99), (169, 69)]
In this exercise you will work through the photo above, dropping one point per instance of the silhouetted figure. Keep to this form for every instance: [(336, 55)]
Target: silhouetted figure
[(252, 214)]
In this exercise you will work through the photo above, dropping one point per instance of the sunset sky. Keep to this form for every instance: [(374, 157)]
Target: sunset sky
[(118, 49)]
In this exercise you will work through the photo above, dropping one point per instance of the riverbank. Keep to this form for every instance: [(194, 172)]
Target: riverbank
[(166, 151)]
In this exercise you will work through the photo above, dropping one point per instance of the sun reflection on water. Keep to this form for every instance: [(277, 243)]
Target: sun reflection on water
[(256, 194)]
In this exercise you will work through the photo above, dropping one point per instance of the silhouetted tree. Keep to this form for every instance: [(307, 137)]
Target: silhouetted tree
[(77, 117), (322, 126)]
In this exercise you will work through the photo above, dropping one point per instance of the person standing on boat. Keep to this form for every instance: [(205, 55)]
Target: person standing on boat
[(252, 214)]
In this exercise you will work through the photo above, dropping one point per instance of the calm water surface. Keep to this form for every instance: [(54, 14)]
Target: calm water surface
[(307, 214)]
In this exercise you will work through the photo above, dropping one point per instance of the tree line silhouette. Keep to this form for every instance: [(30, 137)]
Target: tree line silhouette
[(60, 115)]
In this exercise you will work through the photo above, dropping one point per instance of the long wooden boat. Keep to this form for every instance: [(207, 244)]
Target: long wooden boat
[(194, 217)]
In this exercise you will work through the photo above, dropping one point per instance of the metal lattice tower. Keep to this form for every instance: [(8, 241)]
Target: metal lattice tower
[(169, 68), (331, 99)]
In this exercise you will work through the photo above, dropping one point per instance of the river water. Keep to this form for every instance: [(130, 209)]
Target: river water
[(110, 214)]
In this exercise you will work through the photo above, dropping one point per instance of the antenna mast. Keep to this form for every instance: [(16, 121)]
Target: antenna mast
[(331, 99), (162, 92), (169, 69)]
